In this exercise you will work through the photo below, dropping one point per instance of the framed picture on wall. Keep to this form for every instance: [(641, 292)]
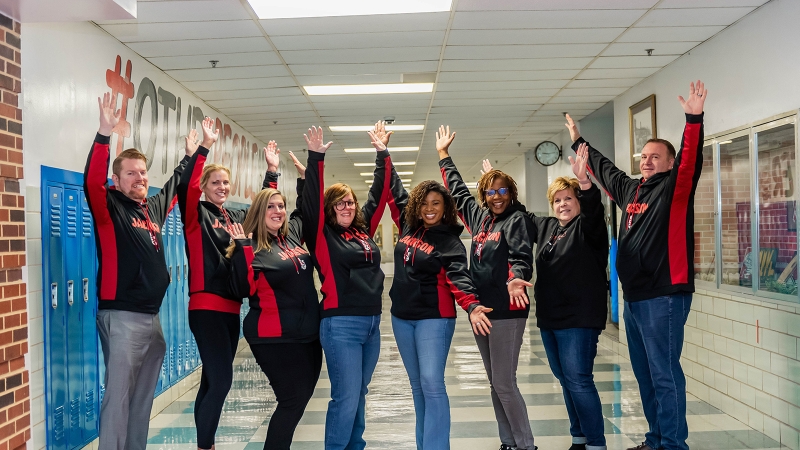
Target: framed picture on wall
[(642, 117), (378, 238)]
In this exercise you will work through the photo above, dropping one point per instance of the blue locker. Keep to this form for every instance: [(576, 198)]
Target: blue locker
[(55, 323), (72, 275), (91, 350)]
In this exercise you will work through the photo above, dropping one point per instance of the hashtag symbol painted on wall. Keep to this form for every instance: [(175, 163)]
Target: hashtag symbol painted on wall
[(121, 86)]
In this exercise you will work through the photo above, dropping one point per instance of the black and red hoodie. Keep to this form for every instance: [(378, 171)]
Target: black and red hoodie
[(132, 273), (280, 286), (430, 266), (656, 233), (501, 246), (571, 287), (347, 259), (207, 241)]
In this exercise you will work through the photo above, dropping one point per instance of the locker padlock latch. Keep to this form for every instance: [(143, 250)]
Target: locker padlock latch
[(54, 295), (85, 290), (70, 289)]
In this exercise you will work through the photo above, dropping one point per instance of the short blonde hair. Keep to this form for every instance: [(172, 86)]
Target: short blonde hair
[(209, 169), (559, 184)]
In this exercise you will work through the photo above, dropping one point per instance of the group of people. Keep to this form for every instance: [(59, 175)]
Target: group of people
[(267, 255)]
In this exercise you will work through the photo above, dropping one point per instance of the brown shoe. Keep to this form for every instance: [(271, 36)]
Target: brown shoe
[(641, 446)]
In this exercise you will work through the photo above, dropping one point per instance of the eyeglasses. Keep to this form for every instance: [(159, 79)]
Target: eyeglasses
[(341, 205), (491, 192)]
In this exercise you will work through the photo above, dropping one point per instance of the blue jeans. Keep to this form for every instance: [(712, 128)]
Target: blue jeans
[(424, 345), (352, 345), (654, 329), (571, 353)]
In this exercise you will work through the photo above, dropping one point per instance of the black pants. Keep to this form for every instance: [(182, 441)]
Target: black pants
[(217, 336), (293, 371)]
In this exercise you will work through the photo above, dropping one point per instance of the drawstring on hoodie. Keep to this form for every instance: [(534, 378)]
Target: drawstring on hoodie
[(284, 246), (629, 222), (413, 241), (150, 225), (479, 250), (363, 239)]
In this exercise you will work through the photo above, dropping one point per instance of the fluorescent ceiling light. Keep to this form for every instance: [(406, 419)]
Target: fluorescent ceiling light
[(369, 174), (362, 89), (281, 9), (372, 149), (726, 142), (349, 128), (405, 180), (394, 163)]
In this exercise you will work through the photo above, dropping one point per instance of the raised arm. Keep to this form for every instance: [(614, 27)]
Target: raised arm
[(313, 204), (468, 208), (616, 183), (394, 194), (689, 161), (272, 156), (296, 217), (592, 211), (189, 189), (378, 195), (95, 175)]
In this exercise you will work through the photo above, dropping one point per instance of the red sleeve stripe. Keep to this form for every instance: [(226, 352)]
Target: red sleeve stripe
[(249, 256), (460, 216), (589, 169), (272, 185), (393, 209), (269, 321), (172, 204), (194, 237), (386, 196), (328, 288), (106, 235), (446, 306), (678, 251)]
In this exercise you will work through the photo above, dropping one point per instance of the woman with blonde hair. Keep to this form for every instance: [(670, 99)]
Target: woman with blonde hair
[(271, 268), (338, 233), (213, 308)]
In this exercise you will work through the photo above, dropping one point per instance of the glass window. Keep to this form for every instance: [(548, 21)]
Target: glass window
[(777, 219), (734, 172), (705, 267)]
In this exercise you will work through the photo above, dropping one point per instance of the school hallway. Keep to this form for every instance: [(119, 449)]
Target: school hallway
[(390, 410)]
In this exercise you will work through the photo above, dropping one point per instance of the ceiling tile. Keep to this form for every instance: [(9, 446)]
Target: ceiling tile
[(659, 48), (533, 36), (685, 17), (623, 62), (491, 20), (364, 68), (484, 52), (709, 3), (182, 30), (365, 55), (246, 83), (359, 40), (383, 23), (641, 72), (228, 73), (546, 5), (605, 83), (193, 47), (670, 34), (466, 65), (187, 10), (501, 86), (226, 59), (511, 75)]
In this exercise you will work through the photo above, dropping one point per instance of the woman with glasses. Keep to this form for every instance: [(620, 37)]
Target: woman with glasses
[(501, 261), (571, 295), (430, 277), (338, 233)]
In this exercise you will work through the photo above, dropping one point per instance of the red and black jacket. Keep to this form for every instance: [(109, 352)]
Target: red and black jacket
[(347, 259), (571, 288), (207, 241), (280, 285), (501, 246), (656, 234), (132, 273), (430, 266)]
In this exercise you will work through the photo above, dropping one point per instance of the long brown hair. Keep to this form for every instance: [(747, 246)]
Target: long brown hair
[(417, 196), (486, 181), (334, 194), (256, 221)]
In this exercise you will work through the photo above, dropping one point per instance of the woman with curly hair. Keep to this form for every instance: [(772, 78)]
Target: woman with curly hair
[(501, 263), (430, 272)]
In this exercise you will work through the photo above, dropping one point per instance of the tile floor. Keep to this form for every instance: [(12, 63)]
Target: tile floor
[(390, 412)]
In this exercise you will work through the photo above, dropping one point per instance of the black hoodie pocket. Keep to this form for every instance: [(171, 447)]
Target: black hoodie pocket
[(635, 273), (364, 287)]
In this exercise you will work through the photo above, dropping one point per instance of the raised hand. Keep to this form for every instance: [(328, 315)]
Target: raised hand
[(301, 169), (516, 290), (377, 142), (272, 155), (109, 116), (480, 323), (487, 166), (315, 142), (697, 98), (210, 135), (574, 134), (380, 132), (191, 142), (443, 140), (579, 163), (237, 232)]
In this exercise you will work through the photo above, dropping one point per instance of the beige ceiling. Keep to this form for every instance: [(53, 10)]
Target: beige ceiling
[(505, 70)]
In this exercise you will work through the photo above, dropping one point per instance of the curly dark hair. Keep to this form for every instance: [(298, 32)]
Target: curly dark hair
[(417, 196), (486, 181)]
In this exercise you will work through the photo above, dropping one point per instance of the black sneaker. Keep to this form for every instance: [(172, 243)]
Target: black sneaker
[(578, 447), (507, 447)]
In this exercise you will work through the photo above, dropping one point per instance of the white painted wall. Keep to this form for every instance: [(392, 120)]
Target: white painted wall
[(751, 72)]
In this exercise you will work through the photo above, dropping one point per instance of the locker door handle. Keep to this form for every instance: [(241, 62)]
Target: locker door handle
[(54, 295), (70, 289), (185, 272), (85, 290), (170, 274)]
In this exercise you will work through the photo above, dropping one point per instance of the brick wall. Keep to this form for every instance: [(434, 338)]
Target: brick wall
[(15, 421)]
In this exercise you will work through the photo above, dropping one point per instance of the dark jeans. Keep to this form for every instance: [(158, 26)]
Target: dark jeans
[(571, 354), (293, 371), (654, 329), (217, 336)]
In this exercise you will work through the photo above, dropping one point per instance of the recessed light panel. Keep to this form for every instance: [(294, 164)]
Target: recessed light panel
[(372, 149), (352, 128), (363, 89), (282, 9)]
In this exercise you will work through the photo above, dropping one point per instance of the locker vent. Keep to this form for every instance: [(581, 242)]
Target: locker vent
[(89, 402), (86, 217), (72, 221), (75, 413), (58, 423), (55, 220)]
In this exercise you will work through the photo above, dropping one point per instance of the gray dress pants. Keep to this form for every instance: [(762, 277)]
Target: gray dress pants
[(500, 354), (133, 349)]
